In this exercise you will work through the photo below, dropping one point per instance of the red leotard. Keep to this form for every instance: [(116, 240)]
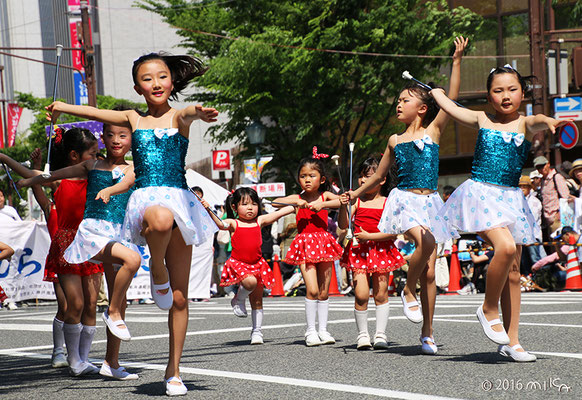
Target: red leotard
[(313, 243), (246, 258), (69, 200), (371, 256)]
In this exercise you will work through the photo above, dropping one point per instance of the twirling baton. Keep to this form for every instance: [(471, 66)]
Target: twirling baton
[(335, 159), (406, 75), (226, 225), (47, 170), (23, 202), (350, 234)]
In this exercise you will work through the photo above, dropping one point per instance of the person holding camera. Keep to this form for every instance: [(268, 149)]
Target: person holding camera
[(479, 262)]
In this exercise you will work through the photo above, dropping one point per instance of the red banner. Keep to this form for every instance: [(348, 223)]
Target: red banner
[(1, 131), (14, 113)]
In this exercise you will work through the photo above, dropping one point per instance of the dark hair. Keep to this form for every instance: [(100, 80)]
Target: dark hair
[(318, 165), (423, 95), (240, 194), (183, 68), (74, 139), (119, 107), (526, 82), (448, 190), (371, 164), (197, 189)]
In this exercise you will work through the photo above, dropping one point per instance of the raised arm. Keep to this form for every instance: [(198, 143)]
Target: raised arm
[(17, 167), (226, 224), (381, 171), (120, 118), (442, 117), (39, 194), (268, 219), (120, 187), (189, 114), (79, 170), (460, 114), (293, 199)]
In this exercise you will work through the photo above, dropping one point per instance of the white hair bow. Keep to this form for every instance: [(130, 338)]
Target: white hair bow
[(505, 66)]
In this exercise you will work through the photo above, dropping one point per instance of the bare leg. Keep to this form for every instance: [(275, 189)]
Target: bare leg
[(250, 283), (511, 301), (61, 301), (113, 342), (73, 290), (498, 270), (178, 258), (256, 298), (428, 295), (324, 279), (425, 247), (157, 230), (309, 273), (362, 291), (91, 286), (380, 288)]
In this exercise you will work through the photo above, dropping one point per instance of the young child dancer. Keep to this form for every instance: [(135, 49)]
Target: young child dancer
[(372, 254), (412, 207), (313, 249), (162, 200), (98, 238), (246, 265), (491, 203)]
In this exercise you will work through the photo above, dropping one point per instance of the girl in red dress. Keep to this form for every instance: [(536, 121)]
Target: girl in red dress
[(314, 249), (372, 254), (246, 265)]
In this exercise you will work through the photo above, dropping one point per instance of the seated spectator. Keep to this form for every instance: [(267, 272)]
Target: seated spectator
[(549, 273), (478, 270), (7, 213)]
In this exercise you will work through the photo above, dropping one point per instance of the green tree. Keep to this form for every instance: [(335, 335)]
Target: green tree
[(35, 136), (306, 97)]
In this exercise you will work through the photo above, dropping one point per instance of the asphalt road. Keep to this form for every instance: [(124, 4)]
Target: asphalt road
[(219, 363)]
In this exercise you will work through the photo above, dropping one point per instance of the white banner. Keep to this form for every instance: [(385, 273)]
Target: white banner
[(21, 277)]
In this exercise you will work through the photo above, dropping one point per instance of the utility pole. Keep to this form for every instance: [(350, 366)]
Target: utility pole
[(88, 55)]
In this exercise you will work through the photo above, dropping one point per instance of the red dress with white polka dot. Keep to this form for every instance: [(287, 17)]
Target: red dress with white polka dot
[(246, 258), (313, 243), (371, 256)]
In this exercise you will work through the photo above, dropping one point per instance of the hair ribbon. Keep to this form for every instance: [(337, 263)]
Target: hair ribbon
[(505, 66), (318, 156), (58, 135)]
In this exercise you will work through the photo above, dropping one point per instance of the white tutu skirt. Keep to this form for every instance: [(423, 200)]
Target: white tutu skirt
[(191, 217), (478, 207), (92, 236), (405, 210)]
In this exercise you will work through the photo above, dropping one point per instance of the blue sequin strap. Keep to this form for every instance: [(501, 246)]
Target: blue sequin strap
[(499, 157)]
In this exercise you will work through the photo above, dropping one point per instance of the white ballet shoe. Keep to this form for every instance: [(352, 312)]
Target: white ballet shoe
[(380, 341), (59, 360), (239, 309), (325, 337), (312, 339), (518, 356), (497, 337), (83, 368), (114, 327), (413, 316), (175, 390), (256, 337), (163, 300), (117, 373), (428, 347), (363, 341)]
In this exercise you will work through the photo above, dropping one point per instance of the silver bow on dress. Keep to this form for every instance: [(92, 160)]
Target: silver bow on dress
[(518, 138), (421, 142)]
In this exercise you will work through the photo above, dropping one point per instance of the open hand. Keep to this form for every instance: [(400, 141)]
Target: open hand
[(206, 114), (554, 124), (104, 195), (460, 45)]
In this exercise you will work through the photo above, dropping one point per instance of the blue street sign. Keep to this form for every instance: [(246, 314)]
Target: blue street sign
[(81, 93), (568, 104), (568, 135)]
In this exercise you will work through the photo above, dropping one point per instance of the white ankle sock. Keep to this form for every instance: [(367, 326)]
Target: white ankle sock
[(322, 311), (310, 313), (58, 336), (361, 321), (85, 341), (257, 316), (242, 294), (72, 333), (382, 313)]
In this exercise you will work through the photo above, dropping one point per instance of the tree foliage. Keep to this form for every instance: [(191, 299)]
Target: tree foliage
[(312, 97)]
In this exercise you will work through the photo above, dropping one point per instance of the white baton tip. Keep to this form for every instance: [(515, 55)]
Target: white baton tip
[(225, 224), (406, 75)]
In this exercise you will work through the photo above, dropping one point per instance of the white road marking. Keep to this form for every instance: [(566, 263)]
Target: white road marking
[(568, 355), (520, 323), (26, 327)]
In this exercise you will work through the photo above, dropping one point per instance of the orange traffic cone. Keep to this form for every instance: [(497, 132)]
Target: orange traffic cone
[(454, 272), (573, 278), (391, 289), (333, 289), (277, 290)]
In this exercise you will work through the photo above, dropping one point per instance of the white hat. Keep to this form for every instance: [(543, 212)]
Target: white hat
[(535, 174)]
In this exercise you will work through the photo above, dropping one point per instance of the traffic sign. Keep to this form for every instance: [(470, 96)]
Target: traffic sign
[(221, 160), (568, 135), (574, 116), (568, 104)]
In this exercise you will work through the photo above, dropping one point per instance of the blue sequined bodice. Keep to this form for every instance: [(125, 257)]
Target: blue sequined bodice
[(159, 158), (114, 211), (499, 157), (417, 169)]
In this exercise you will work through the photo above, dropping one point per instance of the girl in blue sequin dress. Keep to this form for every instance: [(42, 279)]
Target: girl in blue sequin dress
[(98, 238), (412, 206), (161, 211), (491, 203)]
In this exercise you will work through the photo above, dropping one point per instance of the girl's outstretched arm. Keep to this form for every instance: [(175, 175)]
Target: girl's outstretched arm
[(381, 171), (17, 167), (120, 187), (331, 201), (442, 117), (5, 251), (191, 113), (74, 171), (293, 199), (342, 220), (540, 122), (120, 118), (39, 194), (222, 224), (460, 114), (268, 219)]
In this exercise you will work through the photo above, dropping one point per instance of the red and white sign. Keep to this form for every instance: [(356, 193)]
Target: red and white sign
[(568, 135), (221, 160), (573, 115), (271, 189), (14, 113)]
